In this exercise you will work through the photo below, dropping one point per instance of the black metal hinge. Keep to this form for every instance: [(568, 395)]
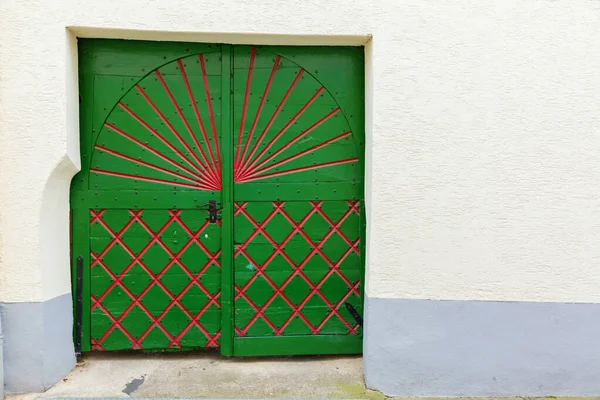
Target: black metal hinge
[(78, 306)]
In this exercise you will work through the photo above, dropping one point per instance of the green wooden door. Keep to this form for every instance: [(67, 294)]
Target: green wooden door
[(270, 140), (297, 197)]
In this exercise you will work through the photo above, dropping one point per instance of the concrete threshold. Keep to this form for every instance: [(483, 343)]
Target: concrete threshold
[(207, 375)]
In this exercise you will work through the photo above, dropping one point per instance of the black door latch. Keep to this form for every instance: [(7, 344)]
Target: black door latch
[(212, 211), (354, 314)]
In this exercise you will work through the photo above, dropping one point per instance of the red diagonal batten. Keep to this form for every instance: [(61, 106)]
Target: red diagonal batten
[(96, 346), (117, 280), (335, 227), (278, 291), (315, 289), (116, 239), (175, 258), (259, 313), (334, 266)]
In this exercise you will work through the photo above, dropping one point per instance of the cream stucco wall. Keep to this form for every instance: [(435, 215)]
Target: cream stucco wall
[(484, 134)]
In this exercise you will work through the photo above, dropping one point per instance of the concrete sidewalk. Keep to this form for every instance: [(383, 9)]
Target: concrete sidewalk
[(208, 375)]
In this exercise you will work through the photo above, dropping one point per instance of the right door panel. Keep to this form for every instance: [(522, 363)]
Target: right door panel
[(298, 200)]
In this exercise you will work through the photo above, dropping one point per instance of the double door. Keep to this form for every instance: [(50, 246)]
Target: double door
[(220, 201)]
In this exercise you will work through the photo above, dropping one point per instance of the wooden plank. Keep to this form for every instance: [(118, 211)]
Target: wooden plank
[(130, 199), (81, 248), (298, 191), (297, 345), (227, 322)]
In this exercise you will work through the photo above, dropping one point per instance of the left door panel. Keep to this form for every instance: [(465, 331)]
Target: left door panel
[(150, 118)]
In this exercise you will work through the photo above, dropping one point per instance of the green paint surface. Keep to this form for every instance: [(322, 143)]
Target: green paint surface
[(275, 137)]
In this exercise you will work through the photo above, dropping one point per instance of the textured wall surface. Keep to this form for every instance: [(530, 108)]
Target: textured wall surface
[(484, 150), (484, 134)]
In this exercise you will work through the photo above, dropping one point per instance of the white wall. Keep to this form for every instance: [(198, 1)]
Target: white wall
[(485, 134)]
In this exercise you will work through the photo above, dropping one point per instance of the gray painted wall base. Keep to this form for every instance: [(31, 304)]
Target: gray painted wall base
[(38, 344), (425, 348), (1, 361)]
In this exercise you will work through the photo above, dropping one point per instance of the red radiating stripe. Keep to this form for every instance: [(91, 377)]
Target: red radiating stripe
[(210, 110), (291, 171), (295, 156), (165, 141), (200, 123), (155, 180), (155, 152), (256, 170), (205, 169), (277, 110), (282, 131), (256, 118), (237, 160), (155, 167), (210, 167)]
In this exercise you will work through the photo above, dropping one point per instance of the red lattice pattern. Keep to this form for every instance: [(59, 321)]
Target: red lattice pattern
[(315, 288), (117, 281)]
